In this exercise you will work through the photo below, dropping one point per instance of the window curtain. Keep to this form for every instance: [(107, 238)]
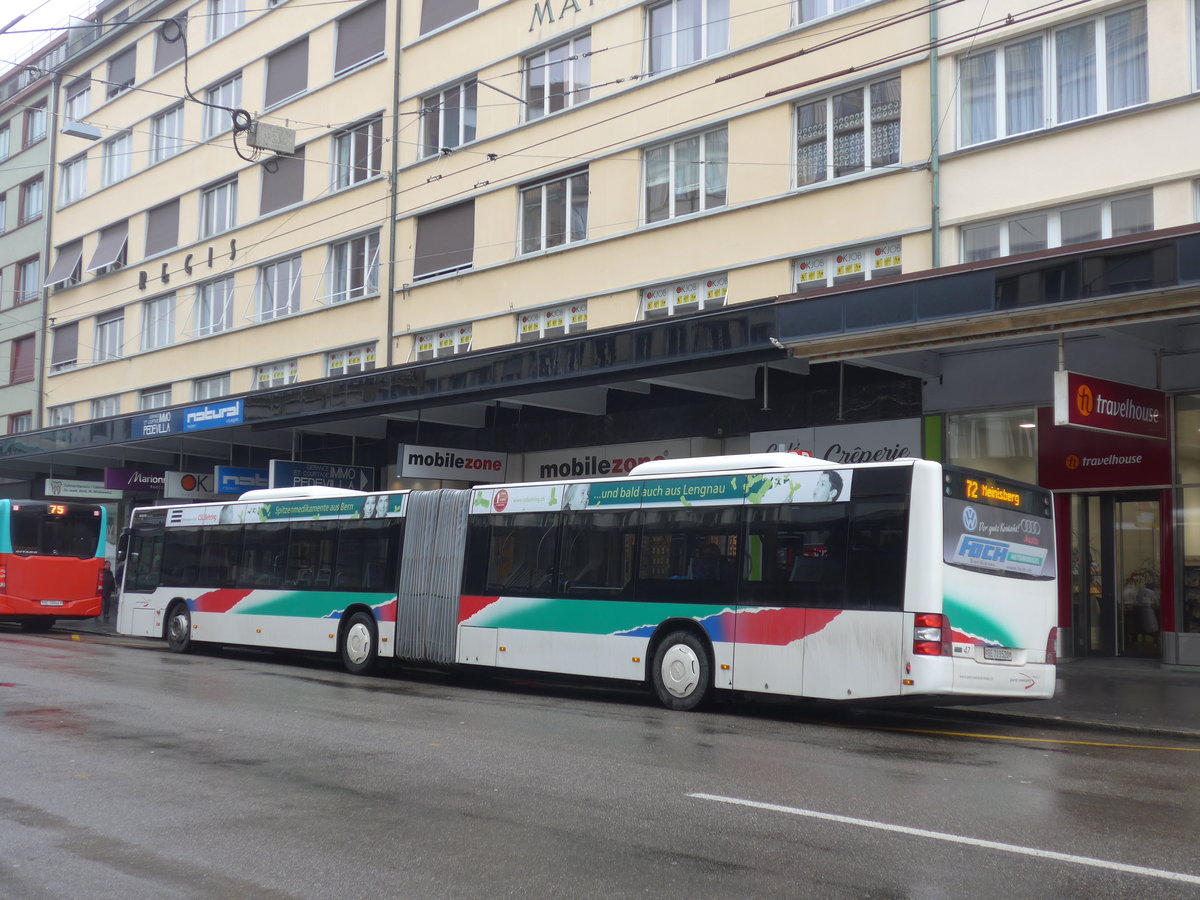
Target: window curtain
[(687, 175), (716, 31), (658, 176), (716, 168), (1125, 48), (811, 141), (977, 87), (688, 36), (1075, 49), (848, 133), (885, 123), (1023, 78)]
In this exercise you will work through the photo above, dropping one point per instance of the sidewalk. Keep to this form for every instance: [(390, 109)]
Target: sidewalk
[(1135, 695)]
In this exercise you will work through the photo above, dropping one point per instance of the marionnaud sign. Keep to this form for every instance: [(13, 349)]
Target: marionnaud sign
[(455, 465), (213, 415), (166, 421), (134, 479), (285, 473), (190, 486), (1082, 401), (237, 479), (90, 490), (866, 442)]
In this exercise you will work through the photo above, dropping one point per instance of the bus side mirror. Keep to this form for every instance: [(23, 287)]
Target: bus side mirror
[(122, 545)]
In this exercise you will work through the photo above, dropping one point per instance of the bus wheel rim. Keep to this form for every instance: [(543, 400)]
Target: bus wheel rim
[(680, 670), (358, 643), (179, 626)]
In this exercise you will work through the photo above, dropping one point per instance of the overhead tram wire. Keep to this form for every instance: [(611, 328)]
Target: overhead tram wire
[(517, 176)]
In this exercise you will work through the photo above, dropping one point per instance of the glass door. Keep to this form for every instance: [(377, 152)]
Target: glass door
[(1116, 570)]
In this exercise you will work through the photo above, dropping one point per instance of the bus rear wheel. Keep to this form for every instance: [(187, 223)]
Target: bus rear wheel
[(359, 654), (681, 673), (38, 626), (179, 628)]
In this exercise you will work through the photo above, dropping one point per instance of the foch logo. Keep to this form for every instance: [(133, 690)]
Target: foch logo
[(1084, 401)]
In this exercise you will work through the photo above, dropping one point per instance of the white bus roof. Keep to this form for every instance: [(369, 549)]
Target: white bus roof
[(310, 492), (732, 463)]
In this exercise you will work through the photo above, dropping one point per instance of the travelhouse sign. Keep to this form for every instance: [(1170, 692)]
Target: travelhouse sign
[(1081, 401)]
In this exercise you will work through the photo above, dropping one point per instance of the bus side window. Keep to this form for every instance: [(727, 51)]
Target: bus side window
[(181, 557), (220, 555), (596, 560), (795, 555), (688, 555), (878, 549), (521, 553), (264, 553), (143, 562), (367, 554)]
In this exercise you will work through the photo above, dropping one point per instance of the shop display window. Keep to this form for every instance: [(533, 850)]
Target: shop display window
[(1003, 442)]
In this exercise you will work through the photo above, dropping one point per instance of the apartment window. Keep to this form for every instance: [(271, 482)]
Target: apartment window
[(447, 342), (110, 335), (1089, 67), (111, 249), (211, 387), (21, 364), (277, 374), (117, 159), (227, 94), (360, 36), (849, 132), (19, 423), (287, 73), (355, 268), (1074, 224), (72, 182), (554, 213), (683, 297), (214, 306), (350, 361), (436, 13), (29, 281), (224, 16), (685, 31), (445, 241), (554, 322), (357, 153), (279, 289), (3, 213), (4, 141), (66, 347), (79, 98), (282, 182), (162, 227), (34, 128), (121, 71), (155, 397), (60, 415), (847, 266), (449, 117), (807, 10), (218, 208), (158, 322), (168, 52), (687, 175), (68, 266), (103, 407), (32, 197), (558, 77), (166, 134)]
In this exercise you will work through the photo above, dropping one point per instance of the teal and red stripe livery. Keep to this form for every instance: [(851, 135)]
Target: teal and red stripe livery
[(295, 604)]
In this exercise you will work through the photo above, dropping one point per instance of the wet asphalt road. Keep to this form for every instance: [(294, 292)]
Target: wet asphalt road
[(128, 772)]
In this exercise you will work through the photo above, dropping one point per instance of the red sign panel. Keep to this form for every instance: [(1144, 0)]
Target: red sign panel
[(1082, 401), (1073, 460)]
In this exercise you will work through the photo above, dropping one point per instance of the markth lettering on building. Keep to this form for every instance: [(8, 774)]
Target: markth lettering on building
[(1081, 401), (544, 10)]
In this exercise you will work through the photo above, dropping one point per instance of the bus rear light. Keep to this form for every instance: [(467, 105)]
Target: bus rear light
[(1052, 647), (931, 635), (3, 578)]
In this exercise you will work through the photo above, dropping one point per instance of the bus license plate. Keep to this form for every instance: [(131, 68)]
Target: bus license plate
[(1002, 653), (51, 602)]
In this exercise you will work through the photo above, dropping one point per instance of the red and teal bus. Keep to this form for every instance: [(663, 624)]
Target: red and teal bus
[(767, 573), (51, 562)]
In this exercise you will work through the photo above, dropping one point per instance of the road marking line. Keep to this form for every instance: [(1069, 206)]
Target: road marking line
[(957, 839), (1026, 740)]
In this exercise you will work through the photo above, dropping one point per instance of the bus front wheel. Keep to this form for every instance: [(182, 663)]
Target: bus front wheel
[(358, 644), (179, 628), (681, 672)]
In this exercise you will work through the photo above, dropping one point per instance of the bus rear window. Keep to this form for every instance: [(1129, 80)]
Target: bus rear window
[(38, 531)]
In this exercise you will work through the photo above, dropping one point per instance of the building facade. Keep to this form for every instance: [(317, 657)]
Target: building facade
[(572, 234)]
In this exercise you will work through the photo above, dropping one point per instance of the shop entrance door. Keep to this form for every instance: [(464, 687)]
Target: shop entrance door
[(1116, 565)]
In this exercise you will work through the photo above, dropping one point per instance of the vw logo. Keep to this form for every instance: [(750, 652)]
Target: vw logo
[(970, 519)]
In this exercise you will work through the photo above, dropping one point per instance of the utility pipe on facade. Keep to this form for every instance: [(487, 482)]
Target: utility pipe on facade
[(935, 175), (49, 191), (393, 200)]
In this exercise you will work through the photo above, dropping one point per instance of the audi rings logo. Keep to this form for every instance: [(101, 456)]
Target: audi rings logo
[(1031, 527), (1072, 462), (970, 518), (1084, 401)]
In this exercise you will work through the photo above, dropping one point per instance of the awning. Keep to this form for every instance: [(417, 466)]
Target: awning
[(68, 258), (112, 242)]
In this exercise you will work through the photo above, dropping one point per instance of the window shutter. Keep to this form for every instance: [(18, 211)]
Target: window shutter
[(285, 185), (22, 359), (66, 345), (436, 13), (112, 242), (360, 36), (445, 240), (166, 52), (287, 72), (162, 228)]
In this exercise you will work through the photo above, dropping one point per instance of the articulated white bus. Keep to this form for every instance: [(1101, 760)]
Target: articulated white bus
[(770, 573)]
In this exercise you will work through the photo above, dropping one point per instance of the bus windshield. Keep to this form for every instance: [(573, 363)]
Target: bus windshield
[(997, 526), (54, 529)]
